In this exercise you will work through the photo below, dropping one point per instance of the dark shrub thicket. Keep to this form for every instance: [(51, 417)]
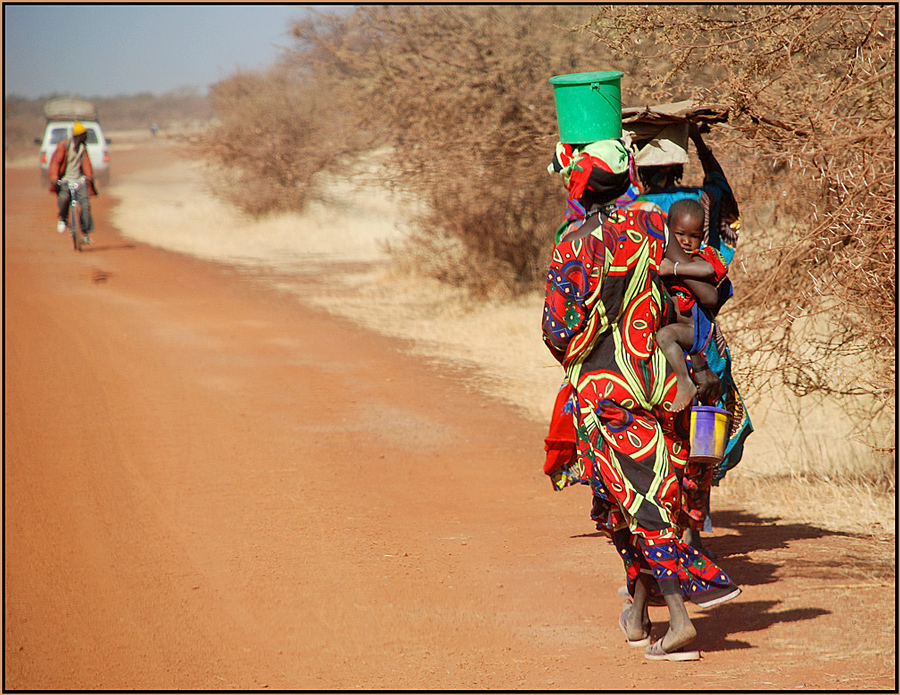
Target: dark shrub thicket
[(469, 120), (460, 93)]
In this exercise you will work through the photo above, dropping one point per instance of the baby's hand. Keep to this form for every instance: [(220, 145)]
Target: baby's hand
[(666, 267)]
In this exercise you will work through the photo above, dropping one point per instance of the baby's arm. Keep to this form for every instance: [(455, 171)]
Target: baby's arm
[(693, 272), (692, 268)]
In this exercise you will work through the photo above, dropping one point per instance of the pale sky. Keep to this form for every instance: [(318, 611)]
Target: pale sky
[(126, 49)]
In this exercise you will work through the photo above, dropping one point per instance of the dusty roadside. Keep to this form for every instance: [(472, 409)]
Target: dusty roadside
[(210, 485)]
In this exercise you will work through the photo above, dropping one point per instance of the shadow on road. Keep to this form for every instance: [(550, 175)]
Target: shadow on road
[(752, 552), (107, 247), (825, 555), (715, 626), (761, 533)]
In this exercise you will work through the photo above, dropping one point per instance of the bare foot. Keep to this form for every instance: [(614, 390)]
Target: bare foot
[(634, 625), (685, 393), (681, 631), (675, 639)]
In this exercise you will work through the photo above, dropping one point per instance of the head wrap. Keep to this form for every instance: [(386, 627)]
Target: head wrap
[(605, 167), (602, 167), (78, 129)]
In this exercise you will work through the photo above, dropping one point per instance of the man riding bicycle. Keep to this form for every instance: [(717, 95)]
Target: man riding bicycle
[(71, 162)]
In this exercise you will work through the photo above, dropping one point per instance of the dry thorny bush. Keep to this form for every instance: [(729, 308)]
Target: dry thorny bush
[(461, 94), (812, 91), (273, 133), (468, 119)]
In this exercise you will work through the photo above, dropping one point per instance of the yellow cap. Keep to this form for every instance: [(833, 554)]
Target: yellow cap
[(78, 129)]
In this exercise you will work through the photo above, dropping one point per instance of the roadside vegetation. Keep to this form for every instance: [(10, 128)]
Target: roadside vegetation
[(471, 126), (812, 135), (181, 110)]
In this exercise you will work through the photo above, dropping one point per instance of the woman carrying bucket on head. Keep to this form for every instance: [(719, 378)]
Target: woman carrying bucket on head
[(603, 306)]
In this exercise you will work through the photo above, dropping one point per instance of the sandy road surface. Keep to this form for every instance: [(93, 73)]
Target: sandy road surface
[(210, 486)]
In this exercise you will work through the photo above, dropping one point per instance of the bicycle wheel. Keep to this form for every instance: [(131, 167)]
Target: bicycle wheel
[(75, 227)]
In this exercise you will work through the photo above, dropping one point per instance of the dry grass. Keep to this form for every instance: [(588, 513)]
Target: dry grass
[(160, 204), (846, 507)]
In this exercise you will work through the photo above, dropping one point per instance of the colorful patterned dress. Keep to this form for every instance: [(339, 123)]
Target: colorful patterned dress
[(603, 306)]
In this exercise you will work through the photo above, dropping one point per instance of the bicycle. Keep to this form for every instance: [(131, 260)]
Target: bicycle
[(78, 239)]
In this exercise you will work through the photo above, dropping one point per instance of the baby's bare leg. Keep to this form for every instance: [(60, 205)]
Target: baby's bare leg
[(673, 340)]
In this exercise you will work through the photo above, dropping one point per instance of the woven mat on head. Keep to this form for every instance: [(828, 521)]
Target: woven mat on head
[(677, 112), (660, 132)]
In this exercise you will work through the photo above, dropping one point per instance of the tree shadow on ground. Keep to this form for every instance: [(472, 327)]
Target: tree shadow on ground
[(755, 534), (761, 533), (840, 554)]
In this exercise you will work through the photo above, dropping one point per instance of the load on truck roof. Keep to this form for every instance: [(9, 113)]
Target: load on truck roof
[(69, 109)]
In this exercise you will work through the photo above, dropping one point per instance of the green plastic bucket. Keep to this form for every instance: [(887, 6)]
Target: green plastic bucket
[(588, 106)]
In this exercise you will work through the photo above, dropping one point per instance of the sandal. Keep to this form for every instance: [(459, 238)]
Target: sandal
[(644, 641), (655, 653), (717, 595)]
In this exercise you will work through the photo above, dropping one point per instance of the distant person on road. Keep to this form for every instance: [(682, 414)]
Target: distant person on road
[(71, 162)]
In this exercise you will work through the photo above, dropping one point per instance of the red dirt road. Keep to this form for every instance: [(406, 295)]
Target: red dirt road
[(211, 486)]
